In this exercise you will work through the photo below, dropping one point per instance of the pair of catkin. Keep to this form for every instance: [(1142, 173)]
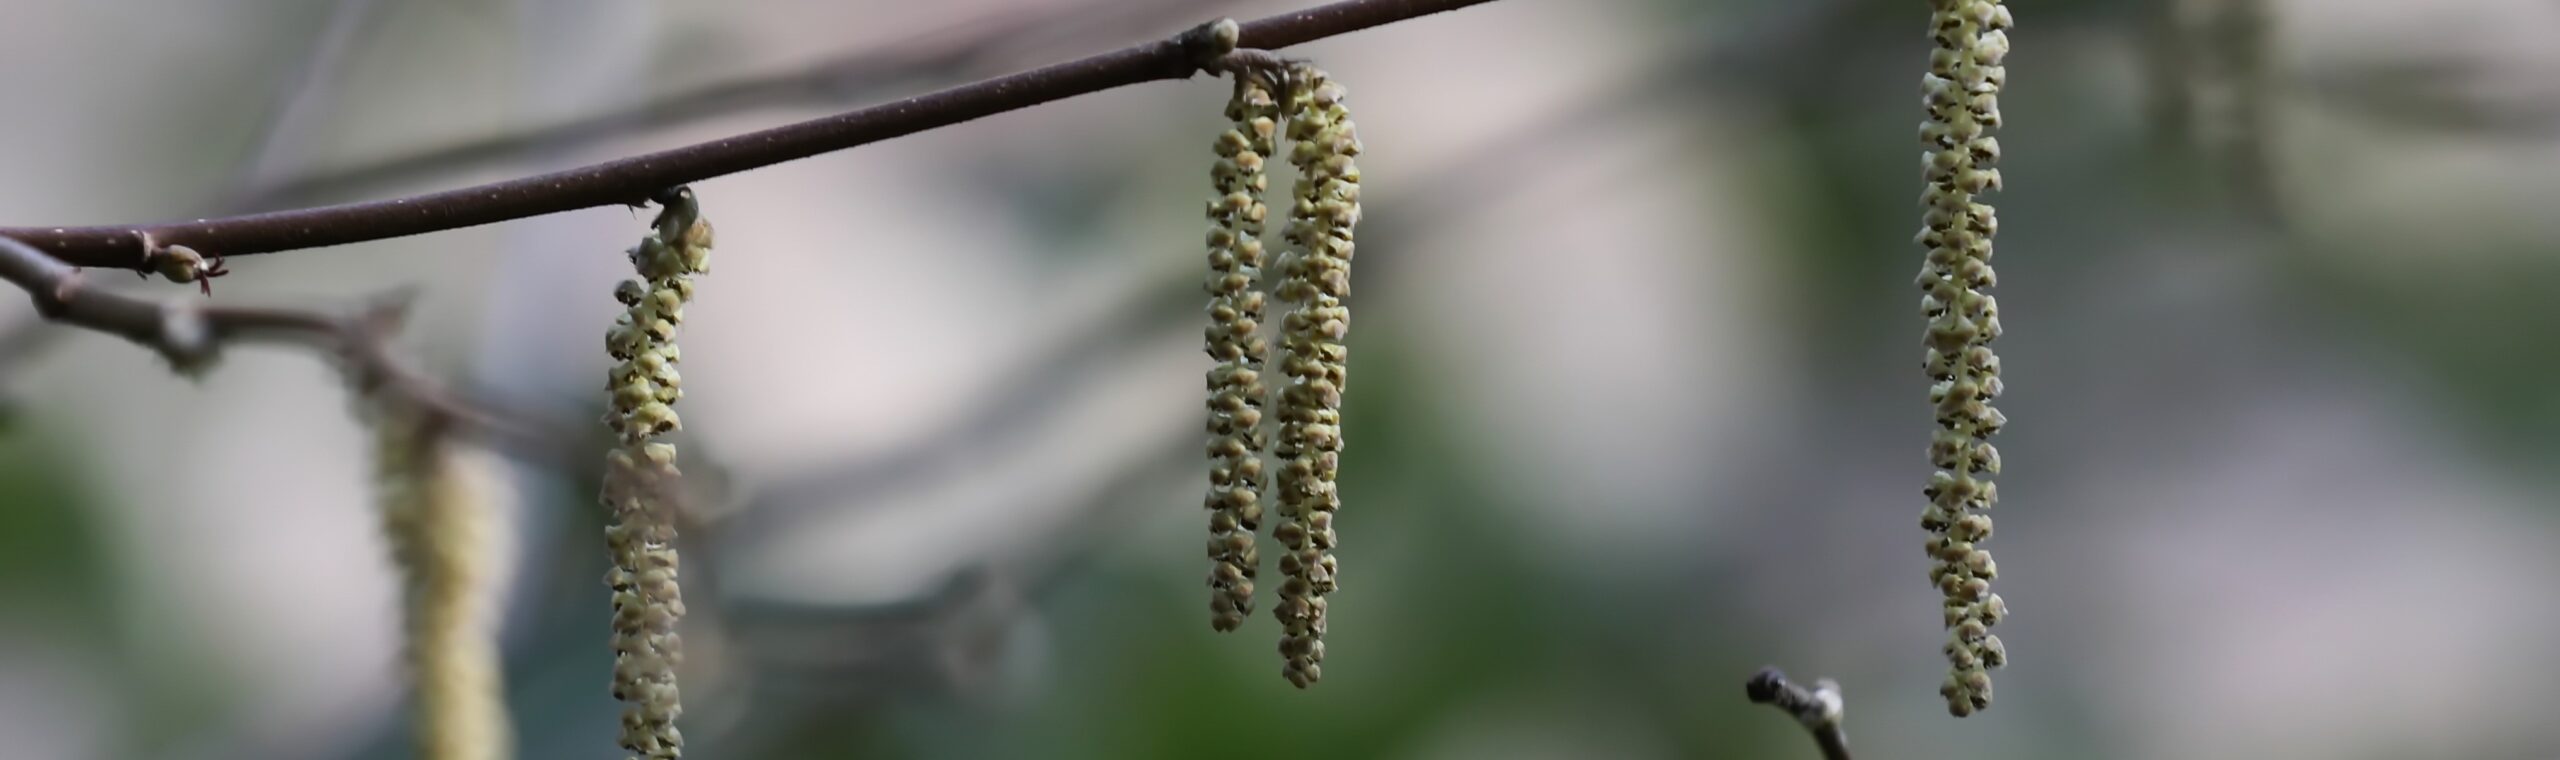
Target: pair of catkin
[(640, 472), (438, 540), (1315, 275), (1962, 96)]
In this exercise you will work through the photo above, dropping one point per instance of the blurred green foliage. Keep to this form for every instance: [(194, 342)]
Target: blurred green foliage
[(54, 568)]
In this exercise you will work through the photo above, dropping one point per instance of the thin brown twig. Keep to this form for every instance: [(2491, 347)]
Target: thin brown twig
[(630, 181), (977, 47), (1818, 709), (958, 50), (191, 335)]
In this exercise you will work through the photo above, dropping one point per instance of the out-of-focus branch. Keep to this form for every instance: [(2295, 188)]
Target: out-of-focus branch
[(1818, 708), (810, 661), (191, 335), (301, 95), (1147, 314), (1759, 56), (971, 47), (631, 181)]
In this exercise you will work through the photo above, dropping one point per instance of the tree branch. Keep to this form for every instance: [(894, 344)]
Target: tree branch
[(1818, 708), (192, 335), (630, 181), (979, 47)]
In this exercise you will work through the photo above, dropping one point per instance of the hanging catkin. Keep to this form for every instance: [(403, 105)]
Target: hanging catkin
[(439, 544), (1962, 95), (1233, 339), (640, 471), (1316, 276)]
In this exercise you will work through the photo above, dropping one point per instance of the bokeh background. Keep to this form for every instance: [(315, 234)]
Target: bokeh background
[(1638, 406)]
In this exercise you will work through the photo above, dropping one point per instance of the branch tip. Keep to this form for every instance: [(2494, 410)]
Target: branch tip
[(1764, 686), (1819, 709)]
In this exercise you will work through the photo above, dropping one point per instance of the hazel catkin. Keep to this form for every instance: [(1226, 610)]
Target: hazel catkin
[(640, 471), (1961, 95), (438, 539), (1316, 277), (1233, 340)]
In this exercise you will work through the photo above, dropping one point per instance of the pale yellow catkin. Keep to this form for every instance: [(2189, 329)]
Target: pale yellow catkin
[(439, 538), (1962, 95), (1233, 338), (640, 474), (1316, 276)]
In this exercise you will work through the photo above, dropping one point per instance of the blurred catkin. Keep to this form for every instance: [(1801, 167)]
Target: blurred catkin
[(439, 544), (640, 473), (1316, 276), (1233, 339), (1961, 92)]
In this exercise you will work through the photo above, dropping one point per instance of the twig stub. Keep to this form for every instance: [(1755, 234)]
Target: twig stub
[(1818, 709)]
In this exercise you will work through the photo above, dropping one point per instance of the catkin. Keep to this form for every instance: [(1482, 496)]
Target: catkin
[(640, 472), (1316, 276), (1961, 93), (1235, 316), (438, 538)]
